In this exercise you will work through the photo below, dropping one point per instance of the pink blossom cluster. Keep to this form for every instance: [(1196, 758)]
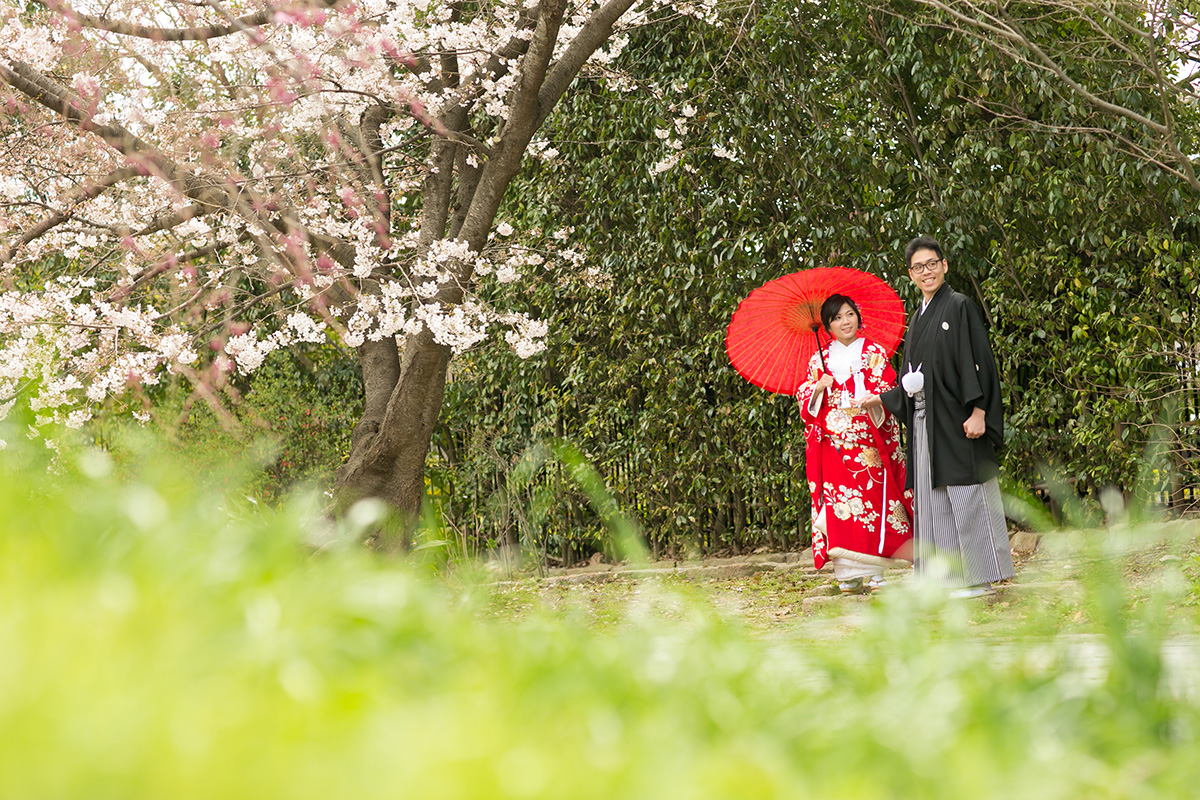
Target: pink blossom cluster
[(74, 352), (221, 179)]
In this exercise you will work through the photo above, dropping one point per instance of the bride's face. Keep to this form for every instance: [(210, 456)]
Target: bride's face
[(844, 326)]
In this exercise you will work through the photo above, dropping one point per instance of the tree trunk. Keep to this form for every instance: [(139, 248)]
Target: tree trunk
[(388, 449), (404, 395)]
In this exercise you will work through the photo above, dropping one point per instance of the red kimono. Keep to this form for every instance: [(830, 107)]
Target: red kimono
[(855, 466)]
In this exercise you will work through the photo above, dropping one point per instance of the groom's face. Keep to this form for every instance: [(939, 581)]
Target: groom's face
[(928, 271)]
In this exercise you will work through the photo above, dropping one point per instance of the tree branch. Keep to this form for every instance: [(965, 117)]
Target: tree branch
[(239, 25), (210, 194), (57, 98), (1009, 30), (183, 258), (495, 67), (595, 32), (168, 221), (54, 220)]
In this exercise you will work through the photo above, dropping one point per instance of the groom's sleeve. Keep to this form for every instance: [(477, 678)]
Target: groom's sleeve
[(893, 401)]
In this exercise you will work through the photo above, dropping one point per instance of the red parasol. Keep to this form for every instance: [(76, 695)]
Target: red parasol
[(771, 338)]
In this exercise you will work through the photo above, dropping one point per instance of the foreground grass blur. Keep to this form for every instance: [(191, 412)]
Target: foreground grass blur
[(157, 640)]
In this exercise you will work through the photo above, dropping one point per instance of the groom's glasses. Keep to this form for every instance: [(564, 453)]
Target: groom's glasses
[(924, 266)]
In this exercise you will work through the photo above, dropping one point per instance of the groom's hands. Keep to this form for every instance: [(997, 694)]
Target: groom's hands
[(975, 426)]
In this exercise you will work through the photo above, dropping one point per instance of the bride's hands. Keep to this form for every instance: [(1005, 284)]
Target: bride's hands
[(869, 402)]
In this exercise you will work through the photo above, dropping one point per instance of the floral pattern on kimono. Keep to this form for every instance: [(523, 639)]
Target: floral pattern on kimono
[(855, 468)]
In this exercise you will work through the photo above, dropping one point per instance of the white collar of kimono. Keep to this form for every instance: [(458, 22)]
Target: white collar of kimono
[(845, 359)]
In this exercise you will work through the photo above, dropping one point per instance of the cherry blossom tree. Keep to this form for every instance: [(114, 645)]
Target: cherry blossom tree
[(189, 185)]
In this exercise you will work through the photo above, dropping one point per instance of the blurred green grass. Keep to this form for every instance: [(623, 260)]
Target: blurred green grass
[(160, 637)]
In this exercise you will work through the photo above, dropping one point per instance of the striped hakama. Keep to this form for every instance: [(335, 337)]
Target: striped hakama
[(961, 536)]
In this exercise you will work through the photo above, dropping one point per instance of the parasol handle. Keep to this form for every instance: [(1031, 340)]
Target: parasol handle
[(816, 327)]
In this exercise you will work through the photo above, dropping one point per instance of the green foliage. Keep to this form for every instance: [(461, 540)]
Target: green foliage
[(294, 420), (853, 131), (159, 639)]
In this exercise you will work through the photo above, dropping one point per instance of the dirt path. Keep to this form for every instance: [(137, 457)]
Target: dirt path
[(773, 590)]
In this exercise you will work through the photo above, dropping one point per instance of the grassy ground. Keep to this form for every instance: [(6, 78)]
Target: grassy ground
[(158, 639)]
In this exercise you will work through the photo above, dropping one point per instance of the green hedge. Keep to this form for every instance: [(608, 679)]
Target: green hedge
[(854, 132)]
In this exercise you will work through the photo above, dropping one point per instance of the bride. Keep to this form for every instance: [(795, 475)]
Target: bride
[(861, 511)]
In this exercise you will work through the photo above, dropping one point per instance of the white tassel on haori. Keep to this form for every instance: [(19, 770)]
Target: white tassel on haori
[(913, 381)]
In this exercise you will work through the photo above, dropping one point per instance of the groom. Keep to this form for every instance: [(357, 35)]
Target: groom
[(949, 398)]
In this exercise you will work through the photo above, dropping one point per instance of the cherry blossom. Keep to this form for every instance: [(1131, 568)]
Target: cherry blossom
[(219, 179)]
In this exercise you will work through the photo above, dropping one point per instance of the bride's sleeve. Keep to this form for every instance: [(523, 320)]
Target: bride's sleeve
[(808, 395)]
